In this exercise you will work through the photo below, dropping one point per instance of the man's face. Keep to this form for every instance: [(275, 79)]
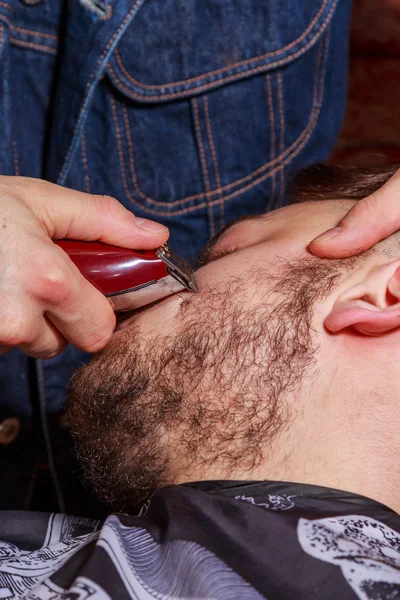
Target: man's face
[(196, 386)]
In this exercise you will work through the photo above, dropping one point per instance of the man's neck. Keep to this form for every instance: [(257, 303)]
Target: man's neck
[(338, 437), (351, 444)]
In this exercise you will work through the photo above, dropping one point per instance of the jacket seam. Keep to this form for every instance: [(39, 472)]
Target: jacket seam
[(214, 161), (236, 65), (271, 114), (275, 165), (42, 48), (204, 167), (85, 163), (34, 32), (226, 187), (281, 133), (16, 159), (86, 95), (211, 84)]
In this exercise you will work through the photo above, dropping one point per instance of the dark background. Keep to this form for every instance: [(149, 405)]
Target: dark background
[(371, 131)]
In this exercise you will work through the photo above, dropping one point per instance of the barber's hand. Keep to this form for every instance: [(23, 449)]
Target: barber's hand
[(369, 221), (44, 300)]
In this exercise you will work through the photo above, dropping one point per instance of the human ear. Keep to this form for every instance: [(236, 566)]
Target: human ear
[(370, 307)]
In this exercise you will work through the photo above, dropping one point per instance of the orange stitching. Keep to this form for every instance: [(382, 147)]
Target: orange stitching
[(120, 152), (109, 44), (215, 162), (32, 32), (206, 86), (85, 163), (107, 14), (47, 49), (131, 162), (281, 133), (16, 161), (133, 167), (318, 94), (319, 70), (237, 181), (326, 52), (201, 146), (306, 134), (272, 126), (131, 154), (290, 153), (203, 163), (6, 19), (284, 163), (236, 65), (183, 211)]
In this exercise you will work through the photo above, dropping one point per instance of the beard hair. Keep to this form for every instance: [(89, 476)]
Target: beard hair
[(150, 412)]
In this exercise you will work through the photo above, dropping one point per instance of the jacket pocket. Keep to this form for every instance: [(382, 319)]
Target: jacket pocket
[(205, 98)]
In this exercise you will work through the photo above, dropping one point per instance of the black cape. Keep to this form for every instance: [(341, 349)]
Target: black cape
[(209, 540)]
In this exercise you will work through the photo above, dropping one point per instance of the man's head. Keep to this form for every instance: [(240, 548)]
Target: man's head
[(211, 385)]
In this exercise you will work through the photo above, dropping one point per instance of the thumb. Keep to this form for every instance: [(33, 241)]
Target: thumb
[(70, 214), (371, 220)]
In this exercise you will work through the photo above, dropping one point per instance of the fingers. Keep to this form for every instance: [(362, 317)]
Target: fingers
[(368, 222), (50, 303), (44, 299), (35, 337), (75, 215), (77, 310), (47, 343), (84, 317)]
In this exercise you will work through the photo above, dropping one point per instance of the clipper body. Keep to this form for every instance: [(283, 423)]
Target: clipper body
[(131, 278)]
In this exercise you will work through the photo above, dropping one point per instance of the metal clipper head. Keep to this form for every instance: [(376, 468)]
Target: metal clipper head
[(178, 267)]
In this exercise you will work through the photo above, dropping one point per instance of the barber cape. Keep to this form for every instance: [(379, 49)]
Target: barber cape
[(210, 540)]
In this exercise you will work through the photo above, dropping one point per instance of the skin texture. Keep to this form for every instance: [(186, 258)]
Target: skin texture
[(274, 370), (51, 303)]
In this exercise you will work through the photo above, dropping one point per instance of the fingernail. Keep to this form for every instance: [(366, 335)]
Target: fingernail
[(148, 225), (328, 235)]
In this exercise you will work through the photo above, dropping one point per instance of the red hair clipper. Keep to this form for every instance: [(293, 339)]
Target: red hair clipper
[(131, 278)]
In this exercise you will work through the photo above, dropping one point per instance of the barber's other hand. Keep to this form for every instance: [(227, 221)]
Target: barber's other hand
[(372, 219), (44, 300)]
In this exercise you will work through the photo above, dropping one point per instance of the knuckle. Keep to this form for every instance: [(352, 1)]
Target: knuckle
[(19, 333), (106, 205), (42, 351), (52, 283), (370, 203)]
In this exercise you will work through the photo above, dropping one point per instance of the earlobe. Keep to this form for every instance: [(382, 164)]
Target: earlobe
[(371, 308)]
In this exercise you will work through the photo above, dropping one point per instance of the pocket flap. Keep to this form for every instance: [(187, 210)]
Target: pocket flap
[(176, 48)]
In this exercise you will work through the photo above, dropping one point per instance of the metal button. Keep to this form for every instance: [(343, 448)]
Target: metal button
[(9, 429)]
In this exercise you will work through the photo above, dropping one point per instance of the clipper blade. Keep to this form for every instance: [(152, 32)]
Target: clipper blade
[(178, 268)]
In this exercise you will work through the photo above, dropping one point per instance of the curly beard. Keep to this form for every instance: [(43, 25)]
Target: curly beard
[(151, 412)]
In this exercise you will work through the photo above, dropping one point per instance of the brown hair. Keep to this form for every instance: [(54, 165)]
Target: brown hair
[(331, 182)]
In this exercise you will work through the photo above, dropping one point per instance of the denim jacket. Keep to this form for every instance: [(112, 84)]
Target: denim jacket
[(189, 112)]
